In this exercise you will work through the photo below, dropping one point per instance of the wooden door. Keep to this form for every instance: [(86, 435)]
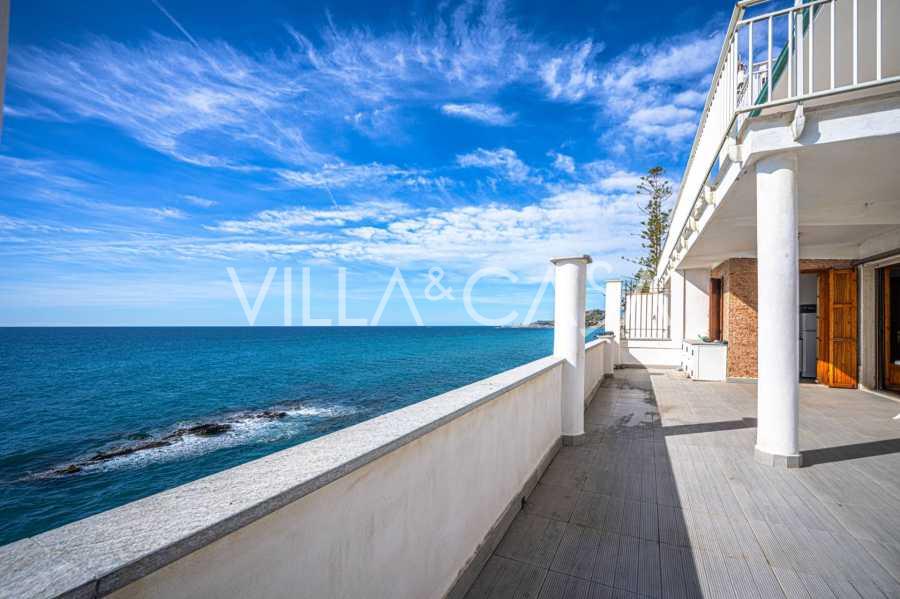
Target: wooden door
[(823, 338), (892, 328), (842, 328), (715, 309)]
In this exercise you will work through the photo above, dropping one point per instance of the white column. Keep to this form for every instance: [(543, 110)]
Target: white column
[(568, 342), (778, 285)]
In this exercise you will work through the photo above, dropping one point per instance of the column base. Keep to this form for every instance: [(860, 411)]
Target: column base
[(777, 460), (573, 440)]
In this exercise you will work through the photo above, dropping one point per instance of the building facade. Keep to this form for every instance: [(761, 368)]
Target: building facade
[(784, 241)]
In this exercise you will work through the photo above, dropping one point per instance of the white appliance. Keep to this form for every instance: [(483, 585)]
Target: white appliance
[(704, 360), (808, 343)]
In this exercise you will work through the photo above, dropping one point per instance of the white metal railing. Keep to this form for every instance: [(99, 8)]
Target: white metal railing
[(646, 311), (776, 55)]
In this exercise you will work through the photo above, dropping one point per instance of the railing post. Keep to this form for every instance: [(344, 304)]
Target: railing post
[(613, 317), (568, 342)]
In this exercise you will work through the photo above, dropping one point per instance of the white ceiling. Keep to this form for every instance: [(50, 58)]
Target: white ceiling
[(849, 193)]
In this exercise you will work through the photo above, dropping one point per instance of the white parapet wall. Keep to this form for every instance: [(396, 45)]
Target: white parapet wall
[(650, 353), (408, 504), (688, 318), (597, 365)]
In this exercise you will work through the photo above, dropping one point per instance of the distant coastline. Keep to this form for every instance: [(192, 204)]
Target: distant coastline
[(594, 317)]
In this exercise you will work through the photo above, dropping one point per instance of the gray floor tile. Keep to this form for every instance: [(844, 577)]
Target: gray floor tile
[(656, 514), (552, 501)]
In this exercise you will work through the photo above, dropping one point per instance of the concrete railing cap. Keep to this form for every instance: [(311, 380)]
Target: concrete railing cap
[(585, 258)]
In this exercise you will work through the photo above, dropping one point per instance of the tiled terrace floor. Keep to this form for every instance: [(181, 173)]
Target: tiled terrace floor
[(665, 500)]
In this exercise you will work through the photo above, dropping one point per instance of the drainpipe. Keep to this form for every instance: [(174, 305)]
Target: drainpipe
[(568, 342)]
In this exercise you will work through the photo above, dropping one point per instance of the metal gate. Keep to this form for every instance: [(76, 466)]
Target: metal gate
[(646, 310)]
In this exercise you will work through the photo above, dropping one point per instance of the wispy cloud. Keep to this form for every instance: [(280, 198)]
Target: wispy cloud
[(663, 122), (167, 213), (395, 233), (9, 223), (202, 108), (484, 113), (562, 162), (198, 201), (335, 175), (291, 220), (503, 161), (690, 98), (573, 74), (651, 89)]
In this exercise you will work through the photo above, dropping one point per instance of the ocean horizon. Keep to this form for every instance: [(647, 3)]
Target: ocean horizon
[(95, 417)]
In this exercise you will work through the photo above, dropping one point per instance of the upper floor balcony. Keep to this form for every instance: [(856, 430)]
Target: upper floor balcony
[(780, 60)]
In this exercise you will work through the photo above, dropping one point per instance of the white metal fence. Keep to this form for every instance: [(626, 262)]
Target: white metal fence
[(646, 311)]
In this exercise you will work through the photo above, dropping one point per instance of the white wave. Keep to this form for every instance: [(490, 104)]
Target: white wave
[(245, 428), (319, 412)]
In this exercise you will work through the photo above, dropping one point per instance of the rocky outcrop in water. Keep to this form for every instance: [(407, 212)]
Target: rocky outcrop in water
[(210, 429), (206, 429)]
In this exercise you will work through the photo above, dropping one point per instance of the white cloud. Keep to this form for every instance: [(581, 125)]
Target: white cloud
[(207, 108), (619, 181), (667, 122), (9, 223), (563, 162), (336, 175), (167, 213), (661, 115), (573, 75), (465, 236), (199, 202), (675, 59), (215, 105), (501, 160), (290, 220), (690, 98), (484, 113), (641, 89)]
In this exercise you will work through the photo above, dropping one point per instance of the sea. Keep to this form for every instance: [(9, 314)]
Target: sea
[(92, 418)]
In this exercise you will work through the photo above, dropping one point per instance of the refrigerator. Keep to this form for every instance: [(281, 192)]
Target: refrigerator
[(808, 343)]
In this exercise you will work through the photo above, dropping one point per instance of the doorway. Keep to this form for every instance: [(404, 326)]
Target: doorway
[(891, 327), (809, 326), (837, 364)]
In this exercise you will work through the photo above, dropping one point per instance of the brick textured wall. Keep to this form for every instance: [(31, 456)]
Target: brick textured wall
[(739, 309)]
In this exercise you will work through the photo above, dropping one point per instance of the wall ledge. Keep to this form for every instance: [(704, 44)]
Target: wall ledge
[(102, 553)]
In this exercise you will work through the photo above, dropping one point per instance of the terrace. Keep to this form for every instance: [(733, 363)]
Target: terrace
[(665, 500)]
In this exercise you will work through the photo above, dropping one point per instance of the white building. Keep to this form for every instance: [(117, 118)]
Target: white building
[(784, 240)]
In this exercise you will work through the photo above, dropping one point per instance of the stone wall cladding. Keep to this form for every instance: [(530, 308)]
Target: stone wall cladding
[(739, 309)]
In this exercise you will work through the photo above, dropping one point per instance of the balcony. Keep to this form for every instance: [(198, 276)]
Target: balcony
[(778, 60), (665, 500)]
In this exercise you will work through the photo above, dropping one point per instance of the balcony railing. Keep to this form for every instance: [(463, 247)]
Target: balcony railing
[(776, 56), (646, 311)]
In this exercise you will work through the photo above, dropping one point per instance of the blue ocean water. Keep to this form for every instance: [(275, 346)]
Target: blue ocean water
[(67, 394)]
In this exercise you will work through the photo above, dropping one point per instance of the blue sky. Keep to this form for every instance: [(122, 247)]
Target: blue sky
[(148, 146)]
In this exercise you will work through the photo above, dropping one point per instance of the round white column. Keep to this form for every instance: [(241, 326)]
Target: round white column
[(778, 283), (568, 342)]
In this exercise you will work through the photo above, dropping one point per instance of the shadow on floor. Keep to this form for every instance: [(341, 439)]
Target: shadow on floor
[(825, 455), (708, 427)]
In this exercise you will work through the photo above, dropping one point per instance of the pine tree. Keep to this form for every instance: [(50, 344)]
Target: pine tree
[(658, 190)]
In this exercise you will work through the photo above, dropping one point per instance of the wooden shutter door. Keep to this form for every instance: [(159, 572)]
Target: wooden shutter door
[(842, 328), (823, 338)]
